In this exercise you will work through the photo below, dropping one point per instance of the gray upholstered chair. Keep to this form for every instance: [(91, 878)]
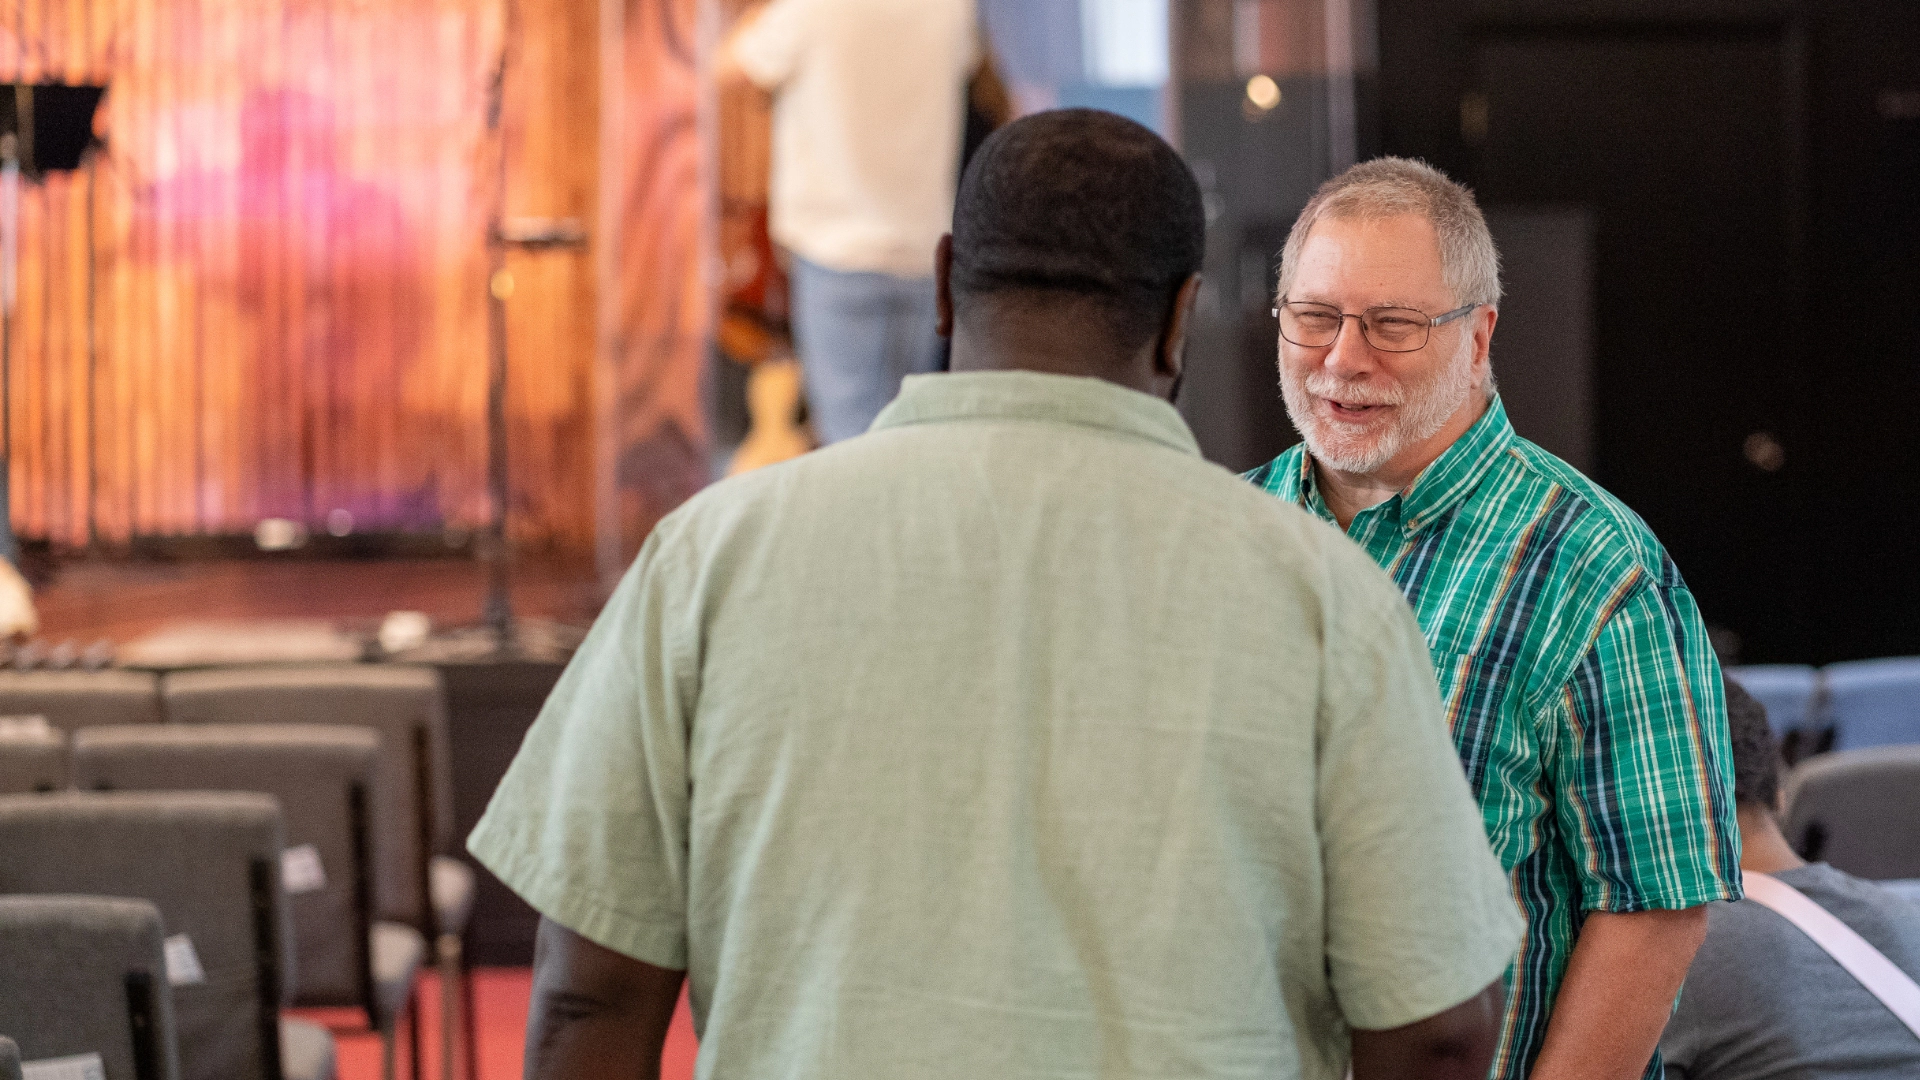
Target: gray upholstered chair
[(10, 1059), (1856, 809), (413, 793), (1875, 702), (75, 699), (321, 775), (210, 861), (32, 759), (1790, 692), (87, 975)]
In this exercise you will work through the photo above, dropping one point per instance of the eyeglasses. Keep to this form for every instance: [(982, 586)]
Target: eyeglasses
[(1389, 329)]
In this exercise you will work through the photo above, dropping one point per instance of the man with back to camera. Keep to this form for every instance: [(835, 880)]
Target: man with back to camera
[(1762, 1000), (868, 117), (1577, 678), (1011, 739)]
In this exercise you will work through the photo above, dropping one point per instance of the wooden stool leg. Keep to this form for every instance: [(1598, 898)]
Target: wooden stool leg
[(413, 1032), (469, 1022), (448, 959)]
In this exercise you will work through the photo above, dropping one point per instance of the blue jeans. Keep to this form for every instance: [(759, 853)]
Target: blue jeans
[(858, 335)]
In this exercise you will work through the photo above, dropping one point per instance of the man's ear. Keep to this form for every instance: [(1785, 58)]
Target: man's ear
[(943, 285), (1483, 323), (1170, 355)]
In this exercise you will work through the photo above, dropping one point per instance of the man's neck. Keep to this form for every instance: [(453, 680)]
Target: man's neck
[(1763, 849), (1348, 493), (1051, 349)]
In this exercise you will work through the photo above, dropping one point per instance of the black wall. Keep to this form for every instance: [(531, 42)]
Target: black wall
[(1753, 174)]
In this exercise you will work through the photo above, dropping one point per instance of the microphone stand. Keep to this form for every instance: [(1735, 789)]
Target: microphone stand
[(9, 291)]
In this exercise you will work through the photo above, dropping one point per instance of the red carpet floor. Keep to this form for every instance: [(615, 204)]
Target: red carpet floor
[(500, 1005)]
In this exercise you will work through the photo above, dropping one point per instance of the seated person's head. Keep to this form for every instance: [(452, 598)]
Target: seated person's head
[(1077, 242), (1756, 755), (1756, 785)]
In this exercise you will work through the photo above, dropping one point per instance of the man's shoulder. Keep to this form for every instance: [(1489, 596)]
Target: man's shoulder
[(1888, 920), (1211, 507), (1612, 541)]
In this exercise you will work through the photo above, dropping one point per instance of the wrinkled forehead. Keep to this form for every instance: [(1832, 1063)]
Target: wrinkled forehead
[(1371, 262)]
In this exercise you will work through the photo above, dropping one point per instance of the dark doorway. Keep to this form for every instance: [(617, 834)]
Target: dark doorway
[(1679, 141)]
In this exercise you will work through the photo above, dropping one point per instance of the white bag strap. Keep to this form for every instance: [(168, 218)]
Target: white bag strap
[(1895, 988)]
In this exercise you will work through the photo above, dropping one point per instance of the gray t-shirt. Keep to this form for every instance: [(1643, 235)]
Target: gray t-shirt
[(1763, 1002)]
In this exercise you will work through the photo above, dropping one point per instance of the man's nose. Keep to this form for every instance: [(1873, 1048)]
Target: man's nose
[(1349, 355)]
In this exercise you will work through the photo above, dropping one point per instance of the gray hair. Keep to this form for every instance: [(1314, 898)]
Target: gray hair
[(1390, 186)]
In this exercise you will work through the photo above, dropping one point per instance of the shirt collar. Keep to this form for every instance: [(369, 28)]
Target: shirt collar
[(1457, 471), (1032, 395)]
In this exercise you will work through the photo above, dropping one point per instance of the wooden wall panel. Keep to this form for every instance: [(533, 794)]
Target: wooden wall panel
[(290, 268)]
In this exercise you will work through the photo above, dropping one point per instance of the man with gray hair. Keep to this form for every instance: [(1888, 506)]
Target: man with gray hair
[(1581, 691)]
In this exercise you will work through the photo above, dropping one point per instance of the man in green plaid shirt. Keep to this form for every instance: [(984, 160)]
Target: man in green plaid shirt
[(1582, 693)]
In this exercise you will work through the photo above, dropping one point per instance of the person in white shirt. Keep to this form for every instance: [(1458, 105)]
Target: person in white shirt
[(869, 109)]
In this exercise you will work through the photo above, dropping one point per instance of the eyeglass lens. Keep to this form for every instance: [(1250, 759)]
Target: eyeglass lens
[(1313, 326)]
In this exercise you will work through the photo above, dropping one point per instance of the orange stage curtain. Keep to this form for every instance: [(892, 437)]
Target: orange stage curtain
[(288, 236)]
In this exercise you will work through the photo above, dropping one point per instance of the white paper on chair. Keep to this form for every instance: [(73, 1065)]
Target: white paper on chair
[(183, 963), (77, 1067), (301, 871)]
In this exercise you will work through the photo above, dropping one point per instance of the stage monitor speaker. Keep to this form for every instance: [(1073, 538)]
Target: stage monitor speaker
[(61, 128)]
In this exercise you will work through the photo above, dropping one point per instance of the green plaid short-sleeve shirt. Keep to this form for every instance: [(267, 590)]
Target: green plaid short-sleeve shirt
[(1581, 690)]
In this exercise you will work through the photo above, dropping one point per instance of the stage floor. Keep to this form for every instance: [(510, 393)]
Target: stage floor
[(122, 601)]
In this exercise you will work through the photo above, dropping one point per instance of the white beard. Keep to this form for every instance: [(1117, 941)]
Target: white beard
[(1422, 410)]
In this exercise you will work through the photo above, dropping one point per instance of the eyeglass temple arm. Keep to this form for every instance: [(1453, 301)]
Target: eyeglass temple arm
[(1435, 321)]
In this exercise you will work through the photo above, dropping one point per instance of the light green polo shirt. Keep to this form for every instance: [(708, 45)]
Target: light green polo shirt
[(1011, 739)]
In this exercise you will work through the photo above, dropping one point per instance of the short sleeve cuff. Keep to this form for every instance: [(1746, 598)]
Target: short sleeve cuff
[(549, 891), (1625, 901), (1413, 996)]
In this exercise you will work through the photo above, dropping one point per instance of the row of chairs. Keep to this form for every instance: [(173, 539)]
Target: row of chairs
[(149, 930), (1856, 810), (124, 715), (1846, 706)]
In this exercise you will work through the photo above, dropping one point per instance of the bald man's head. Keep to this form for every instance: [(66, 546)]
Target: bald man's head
[(1084, 212)]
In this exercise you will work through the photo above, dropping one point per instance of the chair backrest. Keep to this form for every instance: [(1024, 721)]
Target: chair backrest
[(412, 799), (87, 975), (210, 862), (1790, 692), (32, 760), (9, 1059), (321, 775), (76, 699), (1875, 702), (1857, 809)]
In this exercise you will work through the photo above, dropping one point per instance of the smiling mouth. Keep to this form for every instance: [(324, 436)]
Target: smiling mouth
[(1352, 411)]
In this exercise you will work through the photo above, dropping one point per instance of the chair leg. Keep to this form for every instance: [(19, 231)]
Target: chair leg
[(448, 948), (386, 1053), (413, 1032)]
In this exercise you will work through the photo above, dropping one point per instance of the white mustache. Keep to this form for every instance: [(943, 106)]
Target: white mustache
[(1348, 393)]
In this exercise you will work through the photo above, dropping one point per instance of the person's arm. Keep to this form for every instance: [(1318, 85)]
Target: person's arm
[(1618, 992), (1420, 917), (726, 66), (1643, 787), (1455, 1045), (764, 47), (596, 1013)]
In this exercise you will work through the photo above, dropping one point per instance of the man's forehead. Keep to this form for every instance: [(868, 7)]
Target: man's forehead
[(1398, 254)]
